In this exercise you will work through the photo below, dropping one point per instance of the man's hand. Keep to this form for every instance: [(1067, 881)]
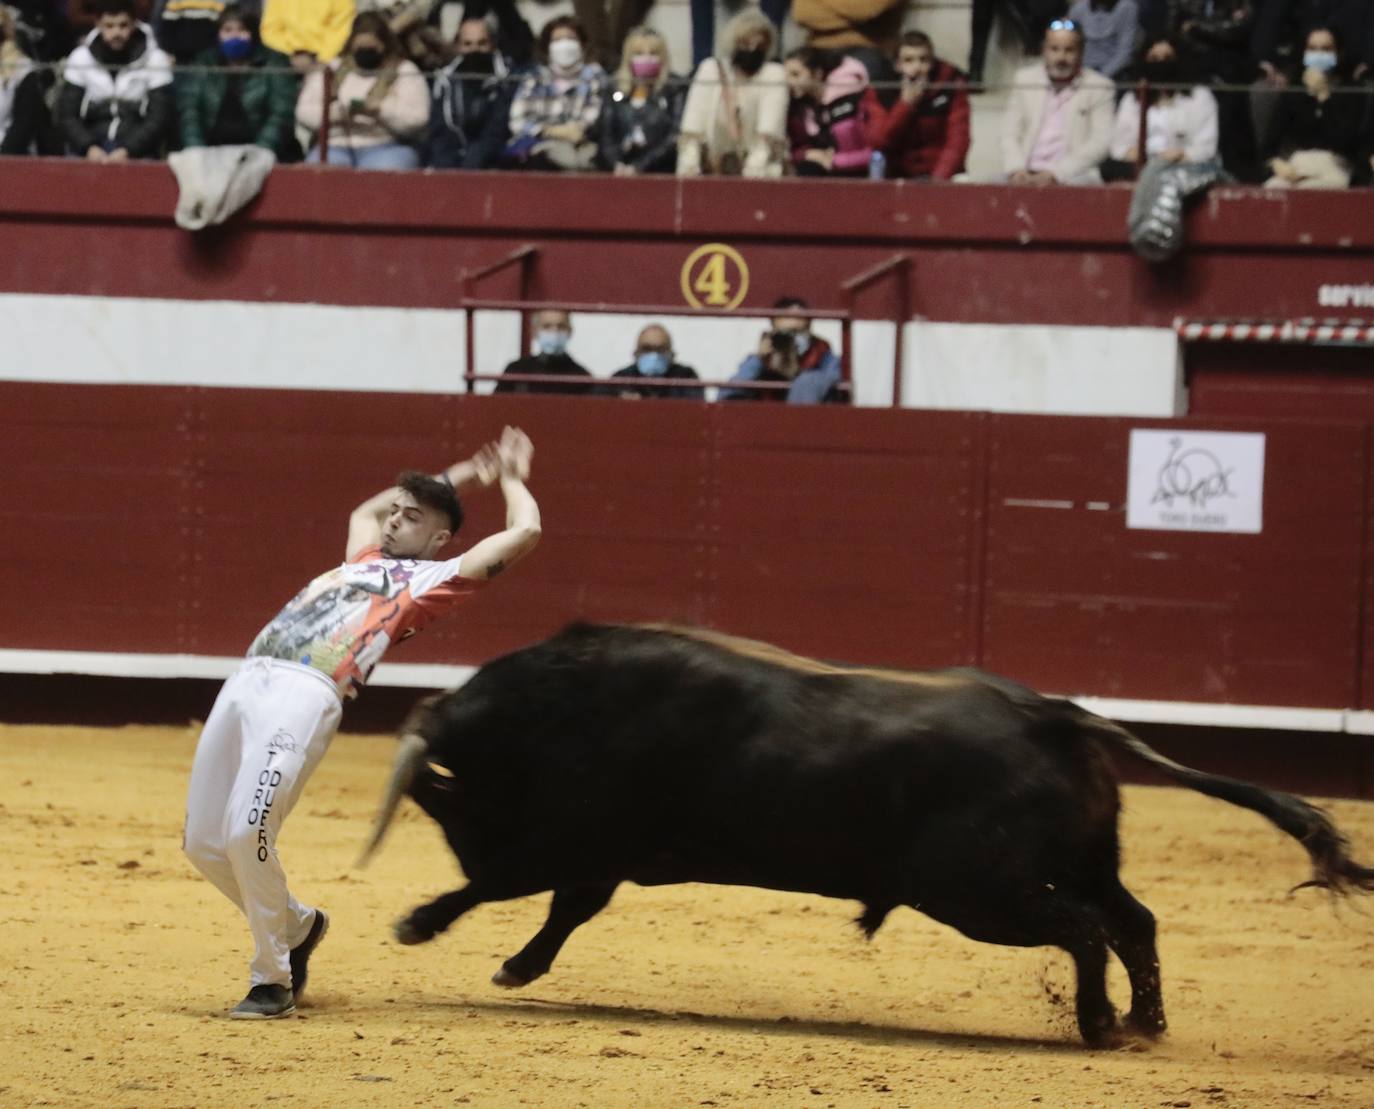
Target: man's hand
[(1316, 82), (515, 452), (1283, 169), (1174, 154), (95, 154), (119, 154), (912, 91), (624, 169), (1273, 76), (766, 345), (1026, 177), (823, 157)]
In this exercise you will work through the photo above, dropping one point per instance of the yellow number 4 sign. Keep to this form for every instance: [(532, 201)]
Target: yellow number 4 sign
[(707, 278)]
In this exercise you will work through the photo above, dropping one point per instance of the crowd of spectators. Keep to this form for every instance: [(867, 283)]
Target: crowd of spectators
[(1279, 90)]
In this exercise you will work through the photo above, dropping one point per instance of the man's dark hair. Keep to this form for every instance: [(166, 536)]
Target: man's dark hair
[(790, 302), (115, 7), (917, 38), (433, 493)]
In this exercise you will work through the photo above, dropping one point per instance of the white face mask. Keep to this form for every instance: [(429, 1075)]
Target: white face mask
[(565, 53)]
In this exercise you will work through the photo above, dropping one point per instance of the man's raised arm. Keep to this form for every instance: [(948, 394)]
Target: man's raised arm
[(366, 521), (502, 550)]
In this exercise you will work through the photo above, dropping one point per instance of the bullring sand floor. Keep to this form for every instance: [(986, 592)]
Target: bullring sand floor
[(119, 963)]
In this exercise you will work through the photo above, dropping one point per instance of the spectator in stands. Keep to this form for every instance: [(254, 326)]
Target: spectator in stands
[(186, 28), (116, 96), (408, 20), (1059, 118), (552, 330), (83, 15), (40, 28), (514, 38), (554, 113), (1110, 28), (834, 116), (1316, 133), (307, 31), (653, 360), (25, 125), (1276, 42), (1212, 39), (789, 352), (241, 93), (734, 122), (1180, 124), (380, 101), (704, 24), (638, 128), (926, 134), (470, 102)]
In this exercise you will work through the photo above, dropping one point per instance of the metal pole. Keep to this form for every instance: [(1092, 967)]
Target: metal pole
[(324, 115), (1142, 91), (898, 345)]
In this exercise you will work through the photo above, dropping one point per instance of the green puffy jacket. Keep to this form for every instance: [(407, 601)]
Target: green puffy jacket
[(269, 97)]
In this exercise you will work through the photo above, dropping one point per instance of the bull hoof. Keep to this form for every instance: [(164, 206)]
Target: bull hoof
[(1151, 1027), (409, 933), (508, 979)]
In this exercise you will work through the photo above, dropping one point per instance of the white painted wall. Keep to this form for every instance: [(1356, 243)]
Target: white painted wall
[(1090, 370)]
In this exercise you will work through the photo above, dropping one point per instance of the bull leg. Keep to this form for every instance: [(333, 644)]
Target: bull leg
[(427, 921), (572, 906), (1096, 1017), (1133, 939)]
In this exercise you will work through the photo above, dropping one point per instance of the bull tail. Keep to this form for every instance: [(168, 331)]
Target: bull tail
[(1325, 844), (409, 758)]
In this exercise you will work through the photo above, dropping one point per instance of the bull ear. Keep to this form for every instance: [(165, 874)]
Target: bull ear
[(409, 757)]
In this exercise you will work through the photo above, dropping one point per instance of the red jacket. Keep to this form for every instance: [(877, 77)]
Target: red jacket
[(930, 138)]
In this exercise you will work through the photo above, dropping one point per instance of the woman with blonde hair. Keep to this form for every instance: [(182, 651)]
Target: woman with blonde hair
[(638, 126), (735, 119)]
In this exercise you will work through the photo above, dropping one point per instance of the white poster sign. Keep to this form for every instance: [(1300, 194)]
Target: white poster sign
[(1196, 481)]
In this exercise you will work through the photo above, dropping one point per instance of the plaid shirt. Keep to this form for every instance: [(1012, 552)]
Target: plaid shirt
[(537, 105)]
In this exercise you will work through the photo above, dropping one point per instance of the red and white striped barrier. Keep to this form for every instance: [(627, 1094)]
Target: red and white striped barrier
[(1275, 331)]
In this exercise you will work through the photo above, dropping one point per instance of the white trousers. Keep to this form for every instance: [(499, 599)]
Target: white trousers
[(271, 724)]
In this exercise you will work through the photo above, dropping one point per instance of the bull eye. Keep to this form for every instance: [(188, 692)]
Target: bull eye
[(439, 770)]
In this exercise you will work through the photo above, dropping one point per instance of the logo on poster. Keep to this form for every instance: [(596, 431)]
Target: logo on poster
[(1196, 481)]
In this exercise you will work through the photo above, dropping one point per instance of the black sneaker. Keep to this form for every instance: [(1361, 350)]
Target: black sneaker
[(300, 954), (265, 1003)]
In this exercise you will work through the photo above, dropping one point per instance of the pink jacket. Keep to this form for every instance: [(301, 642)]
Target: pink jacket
[(849, 118)]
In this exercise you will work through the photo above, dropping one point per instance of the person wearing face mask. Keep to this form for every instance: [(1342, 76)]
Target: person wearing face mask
[(1316, 132), (735, 120), (554, 112), (116, 96), (638, 127), (552, 330), (470, 102), (239, 92), (653, 362), (791, 353), (380, 102), (1180, 123)]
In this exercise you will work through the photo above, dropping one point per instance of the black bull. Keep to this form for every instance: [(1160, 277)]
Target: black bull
[(659, 755)]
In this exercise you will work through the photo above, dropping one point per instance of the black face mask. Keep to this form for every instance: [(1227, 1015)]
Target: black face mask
[(478, 62), (748, 61), (368, 58), (1163, 72)]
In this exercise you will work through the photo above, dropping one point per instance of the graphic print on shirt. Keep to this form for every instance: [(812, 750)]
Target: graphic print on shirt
[(342, 622)]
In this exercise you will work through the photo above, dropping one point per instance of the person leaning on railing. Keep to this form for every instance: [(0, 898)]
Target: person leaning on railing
[(238, 92), (25, 125), (735, 119), (380, 102), (638, 128), (116, 96)]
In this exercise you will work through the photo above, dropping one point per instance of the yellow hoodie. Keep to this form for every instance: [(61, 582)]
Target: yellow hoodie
[(318, 27)]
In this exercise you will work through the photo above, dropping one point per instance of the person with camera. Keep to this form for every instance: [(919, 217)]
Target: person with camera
[(791, 353)]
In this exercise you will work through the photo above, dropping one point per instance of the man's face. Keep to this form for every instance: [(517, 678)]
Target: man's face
[(654, 340), (412, 530), (553, 320), (116, 29), (914, 62), (1160, 52), (473, 37), (1063, 54)]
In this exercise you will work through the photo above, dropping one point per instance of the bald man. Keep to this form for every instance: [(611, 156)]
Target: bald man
[(653, 360)]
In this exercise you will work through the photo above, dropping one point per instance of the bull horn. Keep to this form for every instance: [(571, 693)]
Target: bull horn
[(409, 757)]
